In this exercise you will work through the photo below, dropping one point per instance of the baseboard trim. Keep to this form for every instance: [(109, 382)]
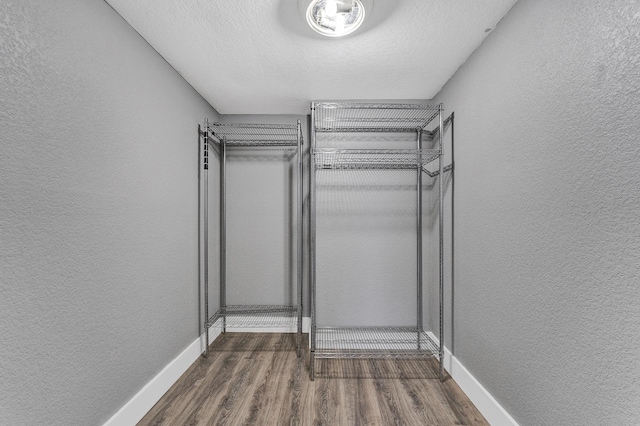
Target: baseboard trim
[(135, 409), (477, 394)]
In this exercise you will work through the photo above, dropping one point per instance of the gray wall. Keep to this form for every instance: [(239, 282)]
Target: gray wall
[(547, 252), (98, 212)]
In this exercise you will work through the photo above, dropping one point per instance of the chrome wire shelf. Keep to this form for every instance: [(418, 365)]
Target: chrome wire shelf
[(256, 316), (373, 158), (374, 342), (255, 135), (373, 117)]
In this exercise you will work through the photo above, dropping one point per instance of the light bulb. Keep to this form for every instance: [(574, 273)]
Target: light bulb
[(335, 18), (326, 21), (344, 6), (340, 24), (331, 7)]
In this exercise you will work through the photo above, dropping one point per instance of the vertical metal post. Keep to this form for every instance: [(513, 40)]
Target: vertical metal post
[(300, 229), (453, 234), (312, 240), (205, 230), (441, 243), (419, 326), (223, 233)]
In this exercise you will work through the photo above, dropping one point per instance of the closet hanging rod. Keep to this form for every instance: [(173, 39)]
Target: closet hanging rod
[(437, 172), (373, 158), (259, 143), (260, 157), (431, 135)]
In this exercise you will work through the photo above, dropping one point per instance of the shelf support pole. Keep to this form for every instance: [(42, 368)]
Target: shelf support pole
[(300, 230), (205, 231), (223, 233), (441, 243), (419, 325), (312, 242)]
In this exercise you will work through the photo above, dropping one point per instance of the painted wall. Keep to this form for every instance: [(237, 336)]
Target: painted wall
[(547, 236), (98, 212)]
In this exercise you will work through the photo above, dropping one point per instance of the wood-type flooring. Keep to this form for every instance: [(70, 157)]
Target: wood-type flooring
[(257, 379)]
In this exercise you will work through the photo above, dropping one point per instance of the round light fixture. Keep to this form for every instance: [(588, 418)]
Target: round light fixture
[(335, 18)]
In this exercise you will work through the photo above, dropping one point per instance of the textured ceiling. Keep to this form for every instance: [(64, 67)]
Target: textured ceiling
[(259, 57)]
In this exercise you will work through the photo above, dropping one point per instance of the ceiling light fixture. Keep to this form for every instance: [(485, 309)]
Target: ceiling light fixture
[(335, 18)]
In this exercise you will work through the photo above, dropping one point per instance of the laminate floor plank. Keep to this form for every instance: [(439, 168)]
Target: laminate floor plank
[(240, 391), (412, 397), (268, 398), (257, 379), (214, 405), (192, 390), (362, 401), (283, 391)]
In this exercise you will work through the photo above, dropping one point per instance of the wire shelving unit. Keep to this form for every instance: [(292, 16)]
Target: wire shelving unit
[(250, 142), (344, 125)]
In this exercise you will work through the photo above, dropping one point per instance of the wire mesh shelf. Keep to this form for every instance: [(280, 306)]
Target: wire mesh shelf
[(255, 135), (256, 316), (373, 158), (373, 117), (374, 342)]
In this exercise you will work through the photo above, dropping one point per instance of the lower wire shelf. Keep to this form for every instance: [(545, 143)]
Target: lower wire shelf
[(256, 316), (374, 342)]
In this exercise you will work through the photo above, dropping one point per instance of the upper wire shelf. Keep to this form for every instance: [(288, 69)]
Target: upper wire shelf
[(255, 135), (373, 117)]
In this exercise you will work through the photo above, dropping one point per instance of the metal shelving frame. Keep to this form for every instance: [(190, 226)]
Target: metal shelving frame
[(349, 119), (251, 142)]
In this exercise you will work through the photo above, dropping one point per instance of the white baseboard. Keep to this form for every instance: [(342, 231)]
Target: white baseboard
[(477, 394), (134, 410)]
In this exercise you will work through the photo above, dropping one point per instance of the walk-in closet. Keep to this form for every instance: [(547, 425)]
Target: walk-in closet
[(244, 212)]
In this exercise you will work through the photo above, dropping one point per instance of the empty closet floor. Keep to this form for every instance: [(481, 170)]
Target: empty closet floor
[(257, 379)]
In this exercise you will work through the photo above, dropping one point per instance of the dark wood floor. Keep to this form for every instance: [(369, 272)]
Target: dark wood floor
[(256, 379)]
